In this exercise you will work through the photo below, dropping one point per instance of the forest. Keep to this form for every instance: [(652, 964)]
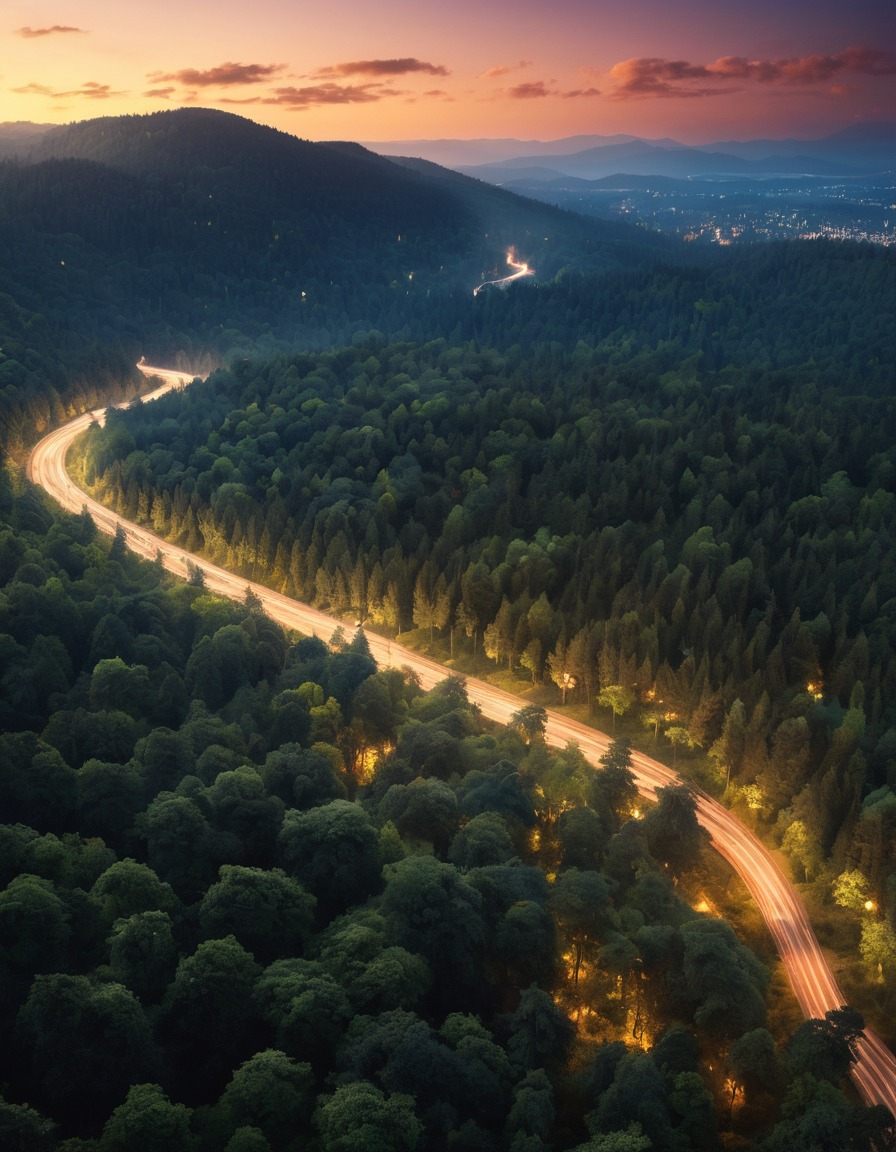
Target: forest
[(257, 894), (718, 546), (193, 236)]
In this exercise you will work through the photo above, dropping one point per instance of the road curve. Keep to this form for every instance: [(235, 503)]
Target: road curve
[(813, 983), (522, 269)]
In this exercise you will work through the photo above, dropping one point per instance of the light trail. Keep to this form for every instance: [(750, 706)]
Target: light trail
[(521, 270), (813, 983)]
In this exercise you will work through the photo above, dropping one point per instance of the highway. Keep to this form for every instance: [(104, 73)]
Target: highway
[(810, 977)]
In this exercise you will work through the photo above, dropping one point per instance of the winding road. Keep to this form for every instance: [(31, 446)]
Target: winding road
[(874, 1072), (521, 270)]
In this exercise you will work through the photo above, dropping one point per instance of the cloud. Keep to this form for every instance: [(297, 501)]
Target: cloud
[(577, 93), (541, 89), (651, 76), (533, 90), (91, 90), (503, 69), (644, 76), (33, 33), (34, 90), (400, 67), (320, 95), (160, 93), (223, 76)]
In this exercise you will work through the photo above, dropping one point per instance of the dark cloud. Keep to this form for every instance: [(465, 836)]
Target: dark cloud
[(223, 76), (645, 76), (32, 33), (577, 93), (400, 67)]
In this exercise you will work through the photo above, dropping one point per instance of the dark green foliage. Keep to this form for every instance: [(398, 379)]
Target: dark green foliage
[(272, 1093), (269, 913), (34, 925), (671, 830), (754, 1063), (129, 887), (540, 1034), (88, 1041), (206, 1015), (22, 1129), (332, 850), (424, 808), (721, 981), (434, 910), (147, 1119), (483, 841), (826, 1048), (143, 954), (360, 1118), (637, 1095), (307, 1008), (816, 1115)]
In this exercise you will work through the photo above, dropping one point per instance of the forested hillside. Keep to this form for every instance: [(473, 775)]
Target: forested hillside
[(718, 546), (195, 234), (221, 855)]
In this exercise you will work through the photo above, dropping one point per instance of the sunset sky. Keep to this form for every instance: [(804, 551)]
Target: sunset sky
[(695, 70)]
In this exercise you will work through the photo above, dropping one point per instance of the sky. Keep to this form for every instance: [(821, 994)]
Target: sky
[(693, 70)]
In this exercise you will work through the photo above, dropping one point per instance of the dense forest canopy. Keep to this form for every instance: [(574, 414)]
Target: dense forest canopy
[(257, 894), (720, 541)]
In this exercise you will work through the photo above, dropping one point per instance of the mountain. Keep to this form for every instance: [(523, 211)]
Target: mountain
[(18, 134), (640, 159), (202, 221), (871, 144), (860, 149), (195, 233), (460, 153)]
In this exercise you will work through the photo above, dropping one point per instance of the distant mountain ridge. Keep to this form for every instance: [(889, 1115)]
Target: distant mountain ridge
[(861, 149), (16, 134)]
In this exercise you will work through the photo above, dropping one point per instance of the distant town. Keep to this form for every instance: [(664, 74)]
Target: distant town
[(728, 212)]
